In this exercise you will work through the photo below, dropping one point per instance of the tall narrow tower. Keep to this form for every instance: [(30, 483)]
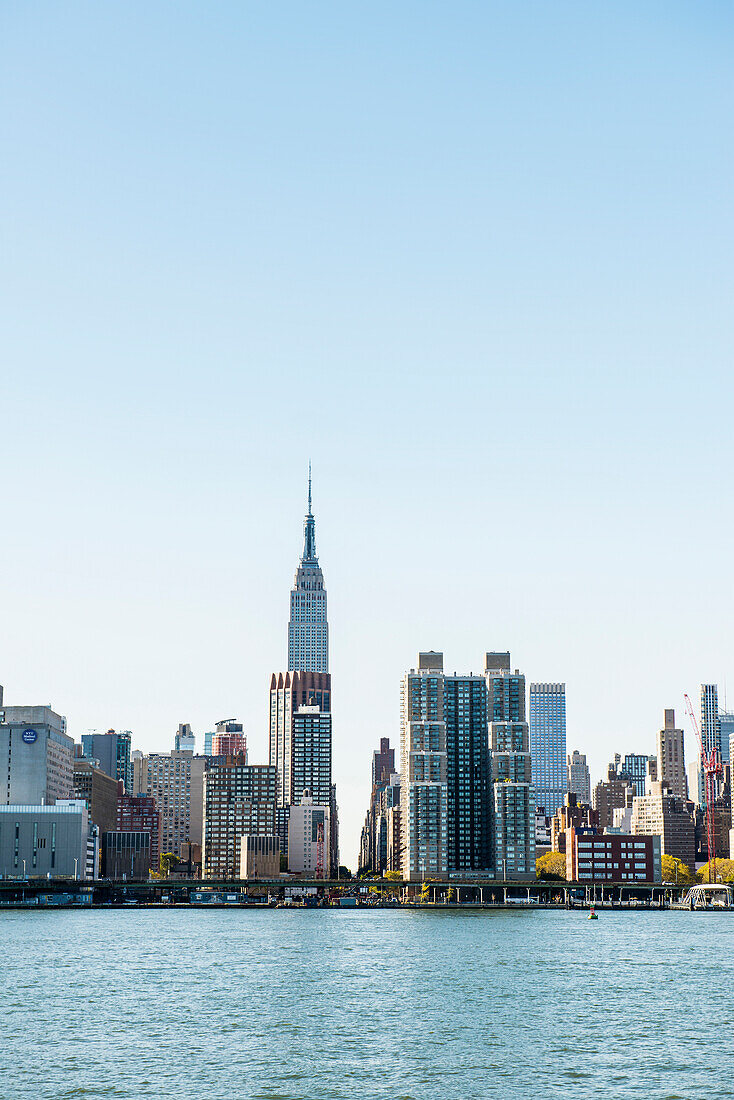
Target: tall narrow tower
[(308, 629)]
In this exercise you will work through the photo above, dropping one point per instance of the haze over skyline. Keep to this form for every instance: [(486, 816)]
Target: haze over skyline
[(474, 263)]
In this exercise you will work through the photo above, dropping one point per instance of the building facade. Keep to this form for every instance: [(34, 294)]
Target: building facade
[(229, 739), (308, 839), (661, 814), (547, 739), (610, 794), (635, 768), (260, 857), (513, 792), (572, 814), (423, 766), (174, 781), (470, 849), (127, 855), (112, 753), (671, 757), (36, 756), (289, 692), (99, 791), (140, 814), (612, 858), (239, 800), (726, 726), (42, 841), (184, 740), (311, 752), (710, 733), (578, 776)]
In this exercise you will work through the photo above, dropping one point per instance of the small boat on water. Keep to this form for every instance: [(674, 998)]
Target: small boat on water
[(593, 915)]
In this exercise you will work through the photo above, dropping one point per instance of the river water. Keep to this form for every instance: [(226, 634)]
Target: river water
[(294, 1004)]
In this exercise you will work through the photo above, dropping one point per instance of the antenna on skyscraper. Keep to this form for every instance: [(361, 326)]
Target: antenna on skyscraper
[(309, 486)]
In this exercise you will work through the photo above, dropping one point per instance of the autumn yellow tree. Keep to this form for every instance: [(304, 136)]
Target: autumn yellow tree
[(724, 871), (675, 870), (551, 866)]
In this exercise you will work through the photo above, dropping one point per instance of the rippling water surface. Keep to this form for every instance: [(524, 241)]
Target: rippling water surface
[(284, 1005)]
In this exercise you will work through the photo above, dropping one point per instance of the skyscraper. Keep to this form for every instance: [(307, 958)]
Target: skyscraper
[(289, 691), (468, 779), (300, 699), (374, 839), (445, 792), (710, 731), (308, 629), (579, 778), (423, 787), (726, 723), (514, 797), (671, 757), (547, 734)]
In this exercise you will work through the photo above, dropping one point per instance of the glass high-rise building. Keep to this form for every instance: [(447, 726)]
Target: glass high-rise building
[(726, 725), (635, 768), (112, 750), (468, 777), (710, 731), (308, 629), (547, 733)]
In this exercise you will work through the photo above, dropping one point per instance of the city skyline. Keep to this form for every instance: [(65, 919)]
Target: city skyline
[(469, 275), (308, 582)]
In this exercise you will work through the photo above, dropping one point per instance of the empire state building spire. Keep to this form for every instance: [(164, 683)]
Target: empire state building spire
[(309, 528), (308, 629)]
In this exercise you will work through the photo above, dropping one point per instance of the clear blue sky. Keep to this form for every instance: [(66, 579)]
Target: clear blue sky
[(472, 259)]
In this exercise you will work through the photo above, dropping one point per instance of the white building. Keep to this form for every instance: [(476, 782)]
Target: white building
[(622, 819), (308, 838)]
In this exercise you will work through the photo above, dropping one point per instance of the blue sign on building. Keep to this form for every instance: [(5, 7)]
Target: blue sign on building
[(29, 736)]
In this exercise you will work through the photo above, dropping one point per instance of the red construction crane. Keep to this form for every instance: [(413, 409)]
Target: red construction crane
[(320, 850), (711, 764)]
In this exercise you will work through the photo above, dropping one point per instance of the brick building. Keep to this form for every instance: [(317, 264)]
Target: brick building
[(611, 858), (139, 814)]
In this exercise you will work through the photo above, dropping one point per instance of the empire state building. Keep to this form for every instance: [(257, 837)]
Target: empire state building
[(308, 630)]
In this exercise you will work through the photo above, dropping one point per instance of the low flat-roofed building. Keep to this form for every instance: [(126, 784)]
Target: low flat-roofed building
[(48, 841), (259, 856), (126, 855), (612, 858)]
